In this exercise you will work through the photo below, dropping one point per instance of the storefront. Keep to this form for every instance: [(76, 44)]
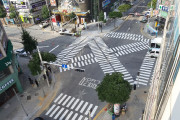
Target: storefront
[(8, 69)]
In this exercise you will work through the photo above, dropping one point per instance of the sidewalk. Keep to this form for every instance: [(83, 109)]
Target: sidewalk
[(135, 106), (33, 98)]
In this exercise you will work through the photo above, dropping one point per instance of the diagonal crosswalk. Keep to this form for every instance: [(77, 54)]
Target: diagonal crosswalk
[(70, 108)]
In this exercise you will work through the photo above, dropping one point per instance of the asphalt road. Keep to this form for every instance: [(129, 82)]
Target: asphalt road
[(124, 50)]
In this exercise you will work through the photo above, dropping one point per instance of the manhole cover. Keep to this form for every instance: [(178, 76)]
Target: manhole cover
[(29, 97)]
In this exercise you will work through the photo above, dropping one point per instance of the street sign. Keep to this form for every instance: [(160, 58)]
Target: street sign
[(64, 66)]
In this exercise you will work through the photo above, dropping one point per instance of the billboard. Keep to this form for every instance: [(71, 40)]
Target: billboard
[(105, 2)]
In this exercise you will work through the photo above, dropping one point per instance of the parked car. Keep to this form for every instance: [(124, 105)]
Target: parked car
[(154, 52), (44, 24), (21, 52), (144, 20), (38, 118)]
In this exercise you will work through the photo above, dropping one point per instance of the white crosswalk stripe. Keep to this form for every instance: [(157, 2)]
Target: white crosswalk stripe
[(126, 36), (146, 70), (77, 110)]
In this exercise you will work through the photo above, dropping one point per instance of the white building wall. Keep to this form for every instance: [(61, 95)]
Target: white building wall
[(172, 110)]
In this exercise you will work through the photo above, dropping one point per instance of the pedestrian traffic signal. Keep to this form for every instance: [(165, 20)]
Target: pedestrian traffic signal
[(79, 70)]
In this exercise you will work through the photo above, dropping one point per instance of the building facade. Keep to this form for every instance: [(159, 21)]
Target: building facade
[(163, 102), (8, 68)]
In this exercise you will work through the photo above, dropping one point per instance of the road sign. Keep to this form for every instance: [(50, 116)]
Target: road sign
[(64, 66)]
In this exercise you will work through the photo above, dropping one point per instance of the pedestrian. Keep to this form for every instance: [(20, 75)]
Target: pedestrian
[(49, 68), (31, 81), (37, 83), (44, 76)]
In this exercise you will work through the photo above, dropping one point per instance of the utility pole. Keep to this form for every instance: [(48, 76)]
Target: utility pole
[(42, 65)]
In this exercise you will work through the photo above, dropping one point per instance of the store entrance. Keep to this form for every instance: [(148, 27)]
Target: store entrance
[(8, 94)]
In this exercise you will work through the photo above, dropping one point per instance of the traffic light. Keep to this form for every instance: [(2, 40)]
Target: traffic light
[(79, 70)]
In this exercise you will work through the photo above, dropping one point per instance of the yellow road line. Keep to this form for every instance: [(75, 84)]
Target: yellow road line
[(102, 110)]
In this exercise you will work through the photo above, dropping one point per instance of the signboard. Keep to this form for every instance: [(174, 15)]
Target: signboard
[(7, 84), (37, 6), (53, 2), (163, 8), (105, 3)]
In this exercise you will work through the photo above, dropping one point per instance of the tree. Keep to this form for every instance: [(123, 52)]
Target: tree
[(45, 12), (153, 4), (13, 12), (34, 63), (101, 16), (114, 89), (2, 13), (115, 15), (73, 18), (28, 41), (124, 7)]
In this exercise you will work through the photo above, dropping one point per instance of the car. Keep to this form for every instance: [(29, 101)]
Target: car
[(38, 118), (144, 20), (21, 52), (154, 52), (44, 24)]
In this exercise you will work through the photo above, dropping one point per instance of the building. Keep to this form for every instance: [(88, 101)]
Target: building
[(8, 68), (29, 10), (163, 102)]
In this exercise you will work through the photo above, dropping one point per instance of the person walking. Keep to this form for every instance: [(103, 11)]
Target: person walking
[(31, 81), (37, 83)]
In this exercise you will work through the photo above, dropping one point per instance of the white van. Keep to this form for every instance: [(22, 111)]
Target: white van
[(154, 52), (155, 47)]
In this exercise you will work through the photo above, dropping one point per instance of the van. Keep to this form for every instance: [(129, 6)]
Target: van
[(154, 52)]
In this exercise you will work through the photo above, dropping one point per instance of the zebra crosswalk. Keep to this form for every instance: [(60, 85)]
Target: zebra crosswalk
[(66, 107), (146, 70), (128, 36)]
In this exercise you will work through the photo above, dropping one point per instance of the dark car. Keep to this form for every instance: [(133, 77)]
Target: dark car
[(38, 118), (144, 20)]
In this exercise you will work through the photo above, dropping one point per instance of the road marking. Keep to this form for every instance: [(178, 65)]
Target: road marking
[(50, 109), (84, 107), (82, 63), (66, 100), (61, 118), (72, 107), (94, 110), (87, 111), (54, 111), (80, 118), (82, 58), (58, 113), (75, 116), (69, 115), (58, 97), (60, 69), (53, 49), (62, 99), (79, 64), (42, 46), (70, 102), (77, 108), (85, 57)]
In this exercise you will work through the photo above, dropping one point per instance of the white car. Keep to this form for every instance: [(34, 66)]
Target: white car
[(21, 52), (154, 52), (44, 24)]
